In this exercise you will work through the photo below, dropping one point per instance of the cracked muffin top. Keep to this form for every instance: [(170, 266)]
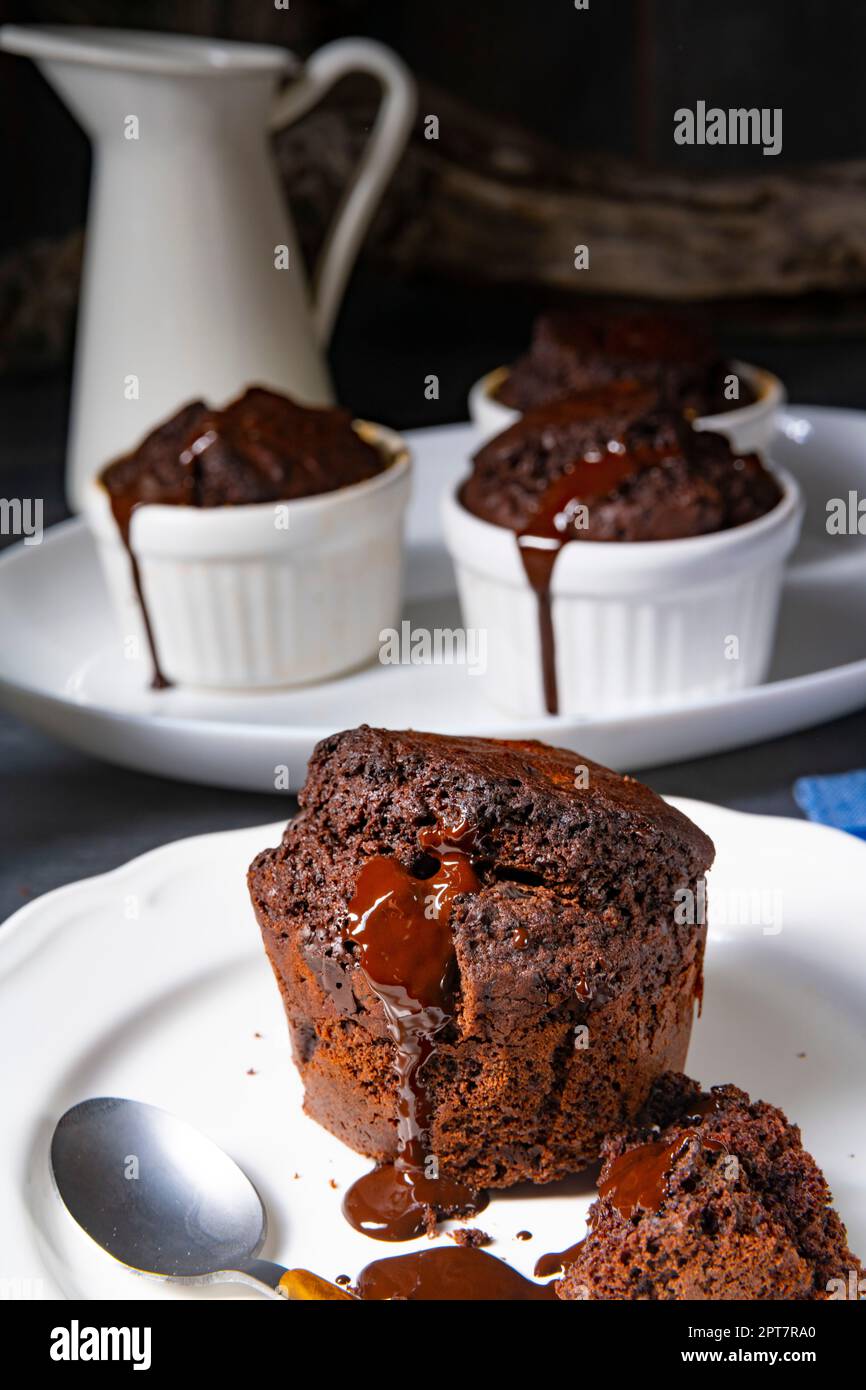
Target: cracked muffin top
[(615, 465), (534, 808), (263, 447), (587, 350), (577, 867)]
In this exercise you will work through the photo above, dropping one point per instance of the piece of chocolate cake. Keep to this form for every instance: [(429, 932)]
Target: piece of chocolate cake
[(588, 350), (479, 954), (710, 1196)]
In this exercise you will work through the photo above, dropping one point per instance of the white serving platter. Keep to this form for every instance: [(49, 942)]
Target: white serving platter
[(62, 669)]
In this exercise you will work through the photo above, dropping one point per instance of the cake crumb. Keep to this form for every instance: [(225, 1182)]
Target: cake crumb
[(333, 1184), (470, 1236), (251, 1071)]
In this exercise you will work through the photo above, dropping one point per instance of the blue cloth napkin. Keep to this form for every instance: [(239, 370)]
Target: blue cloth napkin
[(838, 801)]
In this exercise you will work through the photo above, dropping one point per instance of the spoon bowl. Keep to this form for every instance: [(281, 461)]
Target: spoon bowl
[(163, 1199)]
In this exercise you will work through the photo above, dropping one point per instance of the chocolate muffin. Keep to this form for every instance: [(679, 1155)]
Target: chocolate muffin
[(587, 351), (262, 447), (615, 466), (710, 1196), (478, 951)]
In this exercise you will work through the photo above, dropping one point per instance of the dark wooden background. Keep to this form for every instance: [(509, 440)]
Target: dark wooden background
[(607, 79), (571, 85)]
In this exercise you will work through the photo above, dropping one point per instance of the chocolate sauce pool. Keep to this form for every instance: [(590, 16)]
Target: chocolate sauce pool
[(461, 1274), (400, 928), (556, 1262)]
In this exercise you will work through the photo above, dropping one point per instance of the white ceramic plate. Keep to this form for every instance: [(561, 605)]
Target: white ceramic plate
[(61, 666), (151, 982)]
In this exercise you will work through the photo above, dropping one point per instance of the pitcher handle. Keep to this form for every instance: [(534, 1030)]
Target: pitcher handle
[(384, 147)]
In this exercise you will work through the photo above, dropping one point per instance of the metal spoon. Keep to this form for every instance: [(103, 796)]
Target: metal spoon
[(166, 1201)]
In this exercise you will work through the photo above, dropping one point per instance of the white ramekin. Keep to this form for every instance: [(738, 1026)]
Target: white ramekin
[(636, 624), (749, 428), (265, 594)]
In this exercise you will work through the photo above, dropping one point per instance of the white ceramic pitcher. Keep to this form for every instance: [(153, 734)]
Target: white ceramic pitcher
[(186, 292)]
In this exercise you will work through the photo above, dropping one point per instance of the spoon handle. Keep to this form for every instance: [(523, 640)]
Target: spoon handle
[(293, 1284)]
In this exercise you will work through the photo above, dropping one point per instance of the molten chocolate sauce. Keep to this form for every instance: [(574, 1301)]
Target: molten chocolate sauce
[(448, 1275), (639, 1178), (553, 525), (397, 1201), (556, 1263), (123, 505), (706, 1104), (400, 928)]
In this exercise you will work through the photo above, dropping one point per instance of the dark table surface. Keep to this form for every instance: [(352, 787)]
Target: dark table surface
[(65, 816)]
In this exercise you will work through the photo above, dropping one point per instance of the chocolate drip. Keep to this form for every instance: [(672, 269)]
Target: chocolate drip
[(399, 928), (538, 561), (552, 526), (122, 507), (448, 1275)]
